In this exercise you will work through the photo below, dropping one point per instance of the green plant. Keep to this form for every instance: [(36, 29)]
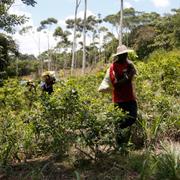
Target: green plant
[(168, 162)]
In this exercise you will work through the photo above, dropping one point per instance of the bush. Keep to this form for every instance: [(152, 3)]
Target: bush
[(76, 117), (157, 92)]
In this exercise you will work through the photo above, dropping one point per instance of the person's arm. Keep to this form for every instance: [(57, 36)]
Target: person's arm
[(53, 80), (131, 72), (127, 75), (120, 81)]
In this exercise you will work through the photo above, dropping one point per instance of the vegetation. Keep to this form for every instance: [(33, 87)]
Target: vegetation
[(76, 125), (70, 133)]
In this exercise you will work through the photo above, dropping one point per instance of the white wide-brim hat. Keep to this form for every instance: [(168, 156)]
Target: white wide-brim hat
[(121, 50)]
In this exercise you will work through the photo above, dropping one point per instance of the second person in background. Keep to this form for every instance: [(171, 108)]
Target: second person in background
[(48, 81)]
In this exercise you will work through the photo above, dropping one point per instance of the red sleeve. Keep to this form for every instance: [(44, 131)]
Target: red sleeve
[(112, 76)]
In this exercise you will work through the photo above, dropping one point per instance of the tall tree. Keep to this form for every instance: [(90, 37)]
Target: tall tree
[(121, 24), (29, 30), (176, 21), (142, 38), (46, 24), (84, 38), (74, 35), (113, 19), (7, 47), (39, 29), (63, 42), (168, 27), (9, 21)]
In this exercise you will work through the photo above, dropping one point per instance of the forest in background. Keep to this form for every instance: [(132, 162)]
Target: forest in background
[(143, 32), (70, 134)]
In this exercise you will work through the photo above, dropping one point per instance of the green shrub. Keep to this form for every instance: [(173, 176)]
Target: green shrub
[(157, 86), (77, 116)]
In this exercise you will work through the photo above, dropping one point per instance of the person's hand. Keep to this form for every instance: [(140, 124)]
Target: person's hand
[(115, 81)]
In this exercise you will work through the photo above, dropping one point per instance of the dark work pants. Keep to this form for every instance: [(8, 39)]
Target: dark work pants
[(131, 108)]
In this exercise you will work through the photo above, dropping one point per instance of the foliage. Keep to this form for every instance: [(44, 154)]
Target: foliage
[(9, 21), (146, 32), (22, 67), (141, 39), (78, 121), (48, 21), (7, 46), (157, 99), (168, 162), (52, 123)]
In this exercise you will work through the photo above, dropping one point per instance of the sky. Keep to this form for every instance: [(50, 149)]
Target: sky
[(64, 9)]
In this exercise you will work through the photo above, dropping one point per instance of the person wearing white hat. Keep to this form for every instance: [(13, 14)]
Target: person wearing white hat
[(122, 72)]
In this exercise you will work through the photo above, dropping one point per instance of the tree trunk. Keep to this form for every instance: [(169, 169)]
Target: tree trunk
[(84, 38), (74, 38), (121, 24), (39, 53), (49, 54)]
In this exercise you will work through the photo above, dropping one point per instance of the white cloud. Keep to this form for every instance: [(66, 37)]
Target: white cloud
[(29, 42), (18, 8), (81, 15), (62, 22), (33, 41), (127, 5), (161, 3)]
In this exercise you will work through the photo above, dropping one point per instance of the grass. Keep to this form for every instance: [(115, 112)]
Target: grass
[(138, 164), (168, 162)]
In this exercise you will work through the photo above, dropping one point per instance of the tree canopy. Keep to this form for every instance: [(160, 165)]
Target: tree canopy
[(9, 21)]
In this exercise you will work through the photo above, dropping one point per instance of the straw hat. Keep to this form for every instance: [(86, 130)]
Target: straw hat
[(50, 73), (121, 50)]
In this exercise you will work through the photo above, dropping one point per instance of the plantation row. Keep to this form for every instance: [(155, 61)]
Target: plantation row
[(76, 117)]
